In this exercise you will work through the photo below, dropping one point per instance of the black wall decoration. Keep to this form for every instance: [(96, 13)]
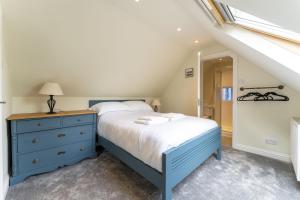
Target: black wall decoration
[(189, 72)]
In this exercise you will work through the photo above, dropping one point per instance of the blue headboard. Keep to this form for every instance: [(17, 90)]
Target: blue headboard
[(93, 102)]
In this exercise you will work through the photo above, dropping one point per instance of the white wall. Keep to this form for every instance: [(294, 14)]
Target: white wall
[(181, 93), (260, 120), (5, 112), (182, 100), (256, 120), (39, 104)]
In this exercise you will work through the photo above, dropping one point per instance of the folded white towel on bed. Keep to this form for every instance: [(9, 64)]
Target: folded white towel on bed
[(157, 120), (150, 118), (173, 116)]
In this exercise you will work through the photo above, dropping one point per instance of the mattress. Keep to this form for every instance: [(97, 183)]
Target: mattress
[(148, 142)]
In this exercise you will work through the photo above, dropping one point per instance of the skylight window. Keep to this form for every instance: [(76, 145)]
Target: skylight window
[(241, 16), (252, 22), (235, 16)]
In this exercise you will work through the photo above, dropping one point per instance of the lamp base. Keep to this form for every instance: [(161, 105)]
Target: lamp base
[(50, 113), (51, 103)]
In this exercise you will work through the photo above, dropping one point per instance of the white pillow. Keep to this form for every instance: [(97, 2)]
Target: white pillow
[(105, 107), (138, 105)]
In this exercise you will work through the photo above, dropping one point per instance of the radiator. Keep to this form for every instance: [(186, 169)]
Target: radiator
[(295, 142)]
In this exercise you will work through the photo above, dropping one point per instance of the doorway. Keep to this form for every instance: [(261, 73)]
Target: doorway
[(217, 94)]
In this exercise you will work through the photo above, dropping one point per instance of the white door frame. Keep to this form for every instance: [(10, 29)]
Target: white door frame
[(235, 86), (3, 186)]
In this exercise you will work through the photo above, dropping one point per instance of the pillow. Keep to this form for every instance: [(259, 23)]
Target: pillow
[(105, 107), (138, 105)]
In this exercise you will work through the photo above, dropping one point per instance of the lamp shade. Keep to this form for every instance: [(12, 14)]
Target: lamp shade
[(51, 89), (156, 102)]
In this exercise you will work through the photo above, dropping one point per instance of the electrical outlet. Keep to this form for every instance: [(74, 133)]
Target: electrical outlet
[(271, 141)]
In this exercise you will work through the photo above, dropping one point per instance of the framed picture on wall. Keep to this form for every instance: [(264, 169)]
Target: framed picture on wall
[(189, 72)]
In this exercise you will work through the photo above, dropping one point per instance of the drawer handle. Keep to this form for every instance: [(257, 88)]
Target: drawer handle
[(39, 124), (82, 148), (82, 132), (34, 141), (78, 120), (61, 135), (61, 153), (35, 161)]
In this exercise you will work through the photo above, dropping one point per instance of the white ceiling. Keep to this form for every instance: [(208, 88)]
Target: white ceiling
[(118, 47), (93, 48), (166, 16)]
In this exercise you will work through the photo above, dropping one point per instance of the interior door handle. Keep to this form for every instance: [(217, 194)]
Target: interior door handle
[(2, 102)]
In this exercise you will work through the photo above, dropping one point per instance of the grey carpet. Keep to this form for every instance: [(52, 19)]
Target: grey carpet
[(238, 176)]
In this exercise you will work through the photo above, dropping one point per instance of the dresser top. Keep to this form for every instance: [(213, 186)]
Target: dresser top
[(45, 115)]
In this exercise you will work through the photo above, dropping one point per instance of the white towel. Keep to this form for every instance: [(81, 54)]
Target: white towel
[(158, 120), (173, 116), (149, 118)]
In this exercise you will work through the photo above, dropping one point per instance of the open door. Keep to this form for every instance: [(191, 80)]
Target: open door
[(215, 94)]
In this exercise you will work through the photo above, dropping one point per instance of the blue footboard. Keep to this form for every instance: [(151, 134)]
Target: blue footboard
[(177, 162), (152, 175)]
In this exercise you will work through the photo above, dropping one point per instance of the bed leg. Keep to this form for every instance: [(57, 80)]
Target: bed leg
[(219, 153), (166, 193), (166, 185)]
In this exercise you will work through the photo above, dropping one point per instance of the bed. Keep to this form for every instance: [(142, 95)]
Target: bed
[(169, 162)]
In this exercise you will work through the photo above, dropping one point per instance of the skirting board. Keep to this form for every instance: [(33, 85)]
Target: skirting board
[(5, 185), (267, 153)]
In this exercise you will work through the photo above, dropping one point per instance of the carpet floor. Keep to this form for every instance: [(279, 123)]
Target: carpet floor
[(238, 176)]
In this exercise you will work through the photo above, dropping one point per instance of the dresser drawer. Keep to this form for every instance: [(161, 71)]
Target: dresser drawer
[(77, 120), (32, 161), (29, 142), (37, 124)]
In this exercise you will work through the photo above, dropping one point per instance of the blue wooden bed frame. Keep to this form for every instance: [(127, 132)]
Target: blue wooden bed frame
[(177, 163)]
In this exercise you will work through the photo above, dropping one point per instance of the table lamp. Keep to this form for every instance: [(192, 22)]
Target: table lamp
[(156, 103), (51, 89)]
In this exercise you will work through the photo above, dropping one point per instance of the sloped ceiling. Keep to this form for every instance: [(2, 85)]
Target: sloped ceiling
[(120, 47), (95, 47), (279, 62)]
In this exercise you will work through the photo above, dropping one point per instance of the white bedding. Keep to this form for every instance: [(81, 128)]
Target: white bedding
[(147, 143)]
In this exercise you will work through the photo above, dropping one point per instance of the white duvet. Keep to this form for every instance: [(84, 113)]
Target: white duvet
[(147, 143)]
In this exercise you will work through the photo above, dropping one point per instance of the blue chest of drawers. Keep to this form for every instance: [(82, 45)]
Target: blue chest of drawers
[(41, 143)]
